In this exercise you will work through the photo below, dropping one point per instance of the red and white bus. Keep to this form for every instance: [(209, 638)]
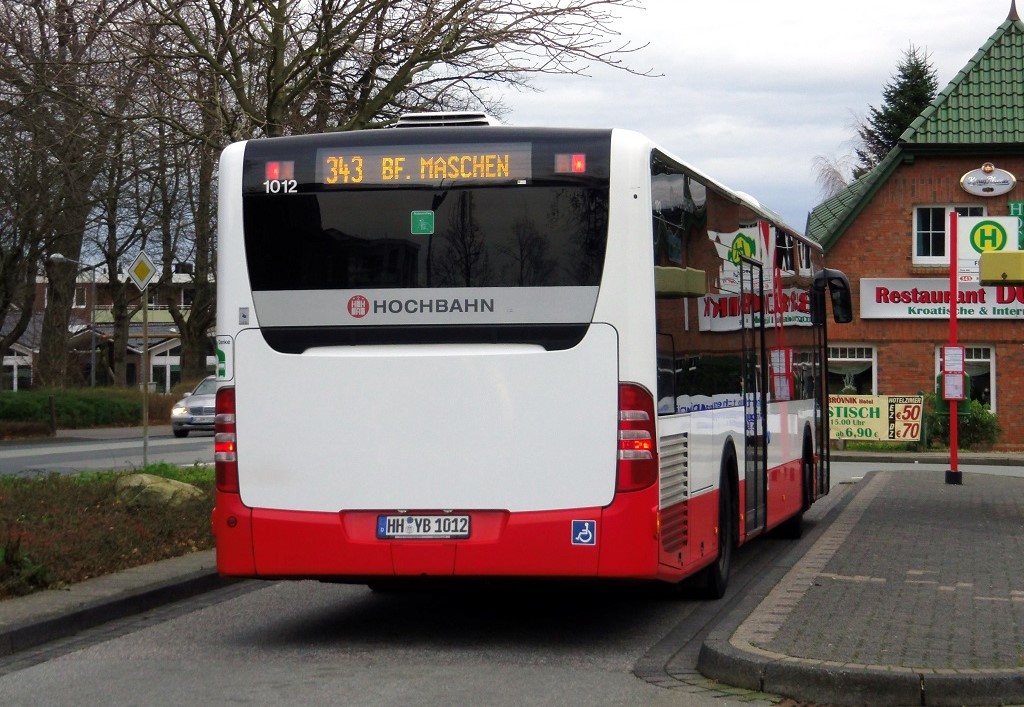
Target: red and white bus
[(472, 350)]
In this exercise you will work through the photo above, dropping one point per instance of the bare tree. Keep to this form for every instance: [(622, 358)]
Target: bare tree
[(529, 254), (186, 228), (833, 173), (243, 68), (314, 65), (464, 262), (24, 228), (124, 218), (56, 71), (126, 106)]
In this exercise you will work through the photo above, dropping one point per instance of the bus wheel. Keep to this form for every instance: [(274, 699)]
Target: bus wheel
[(714, 578)]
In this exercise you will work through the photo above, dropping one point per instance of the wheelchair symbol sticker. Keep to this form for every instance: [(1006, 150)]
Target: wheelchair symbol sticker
[(584, 532)]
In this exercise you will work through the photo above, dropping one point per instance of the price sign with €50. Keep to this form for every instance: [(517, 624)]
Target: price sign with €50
[(876, 418)]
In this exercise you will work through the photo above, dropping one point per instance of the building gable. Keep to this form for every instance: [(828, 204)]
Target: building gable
[(984, 103), (982, 106)]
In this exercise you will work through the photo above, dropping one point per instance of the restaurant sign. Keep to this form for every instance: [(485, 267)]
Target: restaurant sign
[(928, 298)]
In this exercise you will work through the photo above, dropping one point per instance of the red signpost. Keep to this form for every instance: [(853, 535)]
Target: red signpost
[(953, 473)]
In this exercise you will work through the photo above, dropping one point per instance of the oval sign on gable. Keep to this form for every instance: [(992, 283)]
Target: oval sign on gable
[(989, 180)]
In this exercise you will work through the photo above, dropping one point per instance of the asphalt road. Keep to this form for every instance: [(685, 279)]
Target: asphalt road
[(74, 451), (301, 643)]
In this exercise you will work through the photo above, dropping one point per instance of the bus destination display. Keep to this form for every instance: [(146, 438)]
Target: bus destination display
[(422, 164)]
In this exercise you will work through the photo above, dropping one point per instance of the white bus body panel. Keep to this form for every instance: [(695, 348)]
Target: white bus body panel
[(627, 282), (635, 318), (510, 427)]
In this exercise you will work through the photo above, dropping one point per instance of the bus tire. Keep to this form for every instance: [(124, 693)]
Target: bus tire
[(714, 578)]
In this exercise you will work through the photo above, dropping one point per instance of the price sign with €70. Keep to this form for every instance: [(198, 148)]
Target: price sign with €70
[(876, 418)]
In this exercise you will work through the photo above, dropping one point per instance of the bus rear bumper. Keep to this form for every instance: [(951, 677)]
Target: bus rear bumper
[(619, 540)]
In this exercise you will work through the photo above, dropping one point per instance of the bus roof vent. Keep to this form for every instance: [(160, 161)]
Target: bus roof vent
[(418, 120)]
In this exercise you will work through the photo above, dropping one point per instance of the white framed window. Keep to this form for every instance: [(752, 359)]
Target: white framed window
[(931, 231), (980, 365), (81, 297), (852, 369)]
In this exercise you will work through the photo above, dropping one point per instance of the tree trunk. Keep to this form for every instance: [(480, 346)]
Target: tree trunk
[(53, 342)]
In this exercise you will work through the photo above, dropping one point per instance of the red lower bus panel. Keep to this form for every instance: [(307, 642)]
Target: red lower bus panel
[(418, 558), (294, 543), (304, 544), (684, 550), (630, 528), (785, 492), (232, 528), (261, 542)]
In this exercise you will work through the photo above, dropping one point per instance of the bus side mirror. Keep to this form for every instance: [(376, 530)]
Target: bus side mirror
[(838, 287)]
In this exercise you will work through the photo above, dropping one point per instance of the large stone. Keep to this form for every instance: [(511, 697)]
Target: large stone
[(151, 490)]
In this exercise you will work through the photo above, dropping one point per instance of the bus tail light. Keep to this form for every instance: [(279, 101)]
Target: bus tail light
[(225, 453), (638, 450)]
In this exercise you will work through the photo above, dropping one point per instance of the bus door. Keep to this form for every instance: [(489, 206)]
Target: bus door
[(823, 467), (755, 403)]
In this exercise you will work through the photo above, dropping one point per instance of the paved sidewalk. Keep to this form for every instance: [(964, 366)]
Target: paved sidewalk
[(32, 620), (914, 595)]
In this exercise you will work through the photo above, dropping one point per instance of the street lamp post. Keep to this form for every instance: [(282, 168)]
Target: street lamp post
[(59, 258)]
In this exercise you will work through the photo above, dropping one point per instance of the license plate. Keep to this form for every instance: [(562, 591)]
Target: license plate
[(203, 420), (422, 526)]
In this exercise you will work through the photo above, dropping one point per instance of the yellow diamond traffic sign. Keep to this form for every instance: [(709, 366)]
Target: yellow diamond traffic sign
[(142, 270)]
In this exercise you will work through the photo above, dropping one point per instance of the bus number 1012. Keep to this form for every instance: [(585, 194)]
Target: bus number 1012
[(281, 186)]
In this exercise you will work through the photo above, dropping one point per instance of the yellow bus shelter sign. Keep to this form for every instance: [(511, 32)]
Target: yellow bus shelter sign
[(876, 418)]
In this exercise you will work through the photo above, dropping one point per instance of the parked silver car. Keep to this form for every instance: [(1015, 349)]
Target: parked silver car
[(196, 410)]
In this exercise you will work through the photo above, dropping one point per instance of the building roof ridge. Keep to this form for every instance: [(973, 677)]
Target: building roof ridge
[(957, 124)]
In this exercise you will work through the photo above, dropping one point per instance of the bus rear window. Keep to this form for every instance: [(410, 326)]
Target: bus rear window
[(509, 236)]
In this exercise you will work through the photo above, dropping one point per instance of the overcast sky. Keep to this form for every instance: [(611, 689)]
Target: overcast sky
[(753, 90)]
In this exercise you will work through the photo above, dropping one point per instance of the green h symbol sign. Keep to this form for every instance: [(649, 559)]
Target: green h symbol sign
[(988, 235)]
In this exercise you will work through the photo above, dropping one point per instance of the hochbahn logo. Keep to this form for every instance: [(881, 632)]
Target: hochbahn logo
[(359, 306)]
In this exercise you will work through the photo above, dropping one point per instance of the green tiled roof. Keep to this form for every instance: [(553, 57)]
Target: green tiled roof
[(982, 105)]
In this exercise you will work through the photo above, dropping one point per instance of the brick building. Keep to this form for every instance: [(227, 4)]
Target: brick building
[(91, 328), (888, 231)]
